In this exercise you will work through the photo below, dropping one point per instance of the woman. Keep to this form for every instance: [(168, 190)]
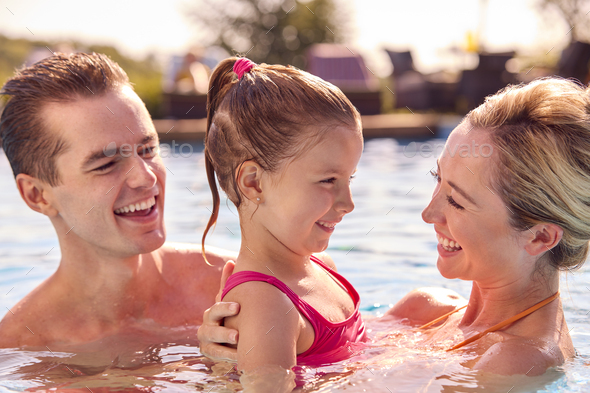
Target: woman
[(508, 218)]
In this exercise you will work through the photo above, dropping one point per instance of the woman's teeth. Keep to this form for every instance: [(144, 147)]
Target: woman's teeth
[(327, 224), (148, 203), (449, 245)]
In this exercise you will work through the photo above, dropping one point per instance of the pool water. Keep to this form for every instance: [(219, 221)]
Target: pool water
[(383, 247)]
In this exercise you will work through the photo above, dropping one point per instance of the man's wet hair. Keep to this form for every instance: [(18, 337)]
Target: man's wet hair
[(30, 146)]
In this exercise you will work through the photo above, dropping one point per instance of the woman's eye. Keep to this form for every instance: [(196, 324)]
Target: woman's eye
[(453, 203), (104, 167), (330, 180), (435, 175)]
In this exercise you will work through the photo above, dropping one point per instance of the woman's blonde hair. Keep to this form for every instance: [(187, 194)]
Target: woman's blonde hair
[(541, 131)]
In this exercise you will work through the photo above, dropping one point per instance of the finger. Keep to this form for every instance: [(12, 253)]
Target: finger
[(228, 269), (208, 334), (218, 311), (220, 352)]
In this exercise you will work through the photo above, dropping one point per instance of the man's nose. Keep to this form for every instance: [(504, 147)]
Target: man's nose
[(141, 174)]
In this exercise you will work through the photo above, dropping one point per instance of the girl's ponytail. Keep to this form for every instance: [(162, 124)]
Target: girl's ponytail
[(221, 81)]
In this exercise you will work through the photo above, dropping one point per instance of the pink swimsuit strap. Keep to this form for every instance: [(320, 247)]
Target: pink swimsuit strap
[(245, 276), (331, 338)]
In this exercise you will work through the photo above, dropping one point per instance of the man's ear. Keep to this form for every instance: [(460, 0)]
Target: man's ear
[(248, 177), (34, 193), (544, 237)]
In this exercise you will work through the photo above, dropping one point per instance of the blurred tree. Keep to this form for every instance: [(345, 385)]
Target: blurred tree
[(145, 75), (271, 31), (574, 13)]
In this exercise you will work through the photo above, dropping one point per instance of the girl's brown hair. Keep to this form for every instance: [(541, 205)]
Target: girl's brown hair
[(269, 115), (542, 134)]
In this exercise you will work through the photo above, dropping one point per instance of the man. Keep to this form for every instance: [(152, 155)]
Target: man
[(83, 150)]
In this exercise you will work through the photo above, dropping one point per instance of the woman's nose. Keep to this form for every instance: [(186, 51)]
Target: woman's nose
[(432, 213)]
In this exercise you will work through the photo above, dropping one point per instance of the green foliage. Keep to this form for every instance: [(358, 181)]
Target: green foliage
[(271, 31), (145, 75)]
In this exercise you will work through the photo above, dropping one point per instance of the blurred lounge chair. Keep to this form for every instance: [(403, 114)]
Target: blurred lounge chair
[(489, 77), (338, 65), (574, 62), (418, 91)]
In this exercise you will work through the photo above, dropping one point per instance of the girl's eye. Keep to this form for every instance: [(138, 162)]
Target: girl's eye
[(453, 203), (435, 175), (104, 167), (330, 180), (350, 179)]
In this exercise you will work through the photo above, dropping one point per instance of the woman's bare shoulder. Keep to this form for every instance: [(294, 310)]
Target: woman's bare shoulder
[(520, 356)]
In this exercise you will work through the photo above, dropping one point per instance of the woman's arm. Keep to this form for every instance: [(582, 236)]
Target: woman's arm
[(423, 305)]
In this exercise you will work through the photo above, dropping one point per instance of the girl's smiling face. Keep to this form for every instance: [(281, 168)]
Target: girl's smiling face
[(471, 221), (305, 199)]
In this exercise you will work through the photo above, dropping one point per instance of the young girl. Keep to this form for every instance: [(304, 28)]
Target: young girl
[(284, 145)]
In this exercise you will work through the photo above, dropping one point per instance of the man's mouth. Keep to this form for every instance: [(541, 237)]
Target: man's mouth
[(141, 208)]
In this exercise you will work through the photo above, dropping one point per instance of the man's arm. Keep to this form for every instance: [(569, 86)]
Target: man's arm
[(212, 334)]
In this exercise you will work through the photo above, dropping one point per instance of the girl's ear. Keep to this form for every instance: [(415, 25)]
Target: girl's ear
[(35, 194), (248, 178), (542, 238)]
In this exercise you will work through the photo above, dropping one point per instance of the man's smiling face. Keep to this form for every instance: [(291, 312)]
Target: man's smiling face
[(110, 169)]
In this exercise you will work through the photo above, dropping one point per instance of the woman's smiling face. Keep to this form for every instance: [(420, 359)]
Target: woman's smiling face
[(471, 221)]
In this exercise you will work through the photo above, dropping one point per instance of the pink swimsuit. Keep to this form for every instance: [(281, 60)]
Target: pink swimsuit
[(333, 341)]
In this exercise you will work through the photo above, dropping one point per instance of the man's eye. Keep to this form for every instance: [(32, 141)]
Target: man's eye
[(104, 167), (149, 151)]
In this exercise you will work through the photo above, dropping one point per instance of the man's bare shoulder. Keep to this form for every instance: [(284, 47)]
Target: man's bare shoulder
[(30, 322), (187, 255), (183, 265)]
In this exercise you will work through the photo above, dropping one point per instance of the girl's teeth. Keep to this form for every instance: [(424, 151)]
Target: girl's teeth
[(446, 243), (131, 208)]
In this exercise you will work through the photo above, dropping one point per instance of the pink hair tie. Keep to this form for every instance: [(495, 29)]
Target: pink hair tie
[(243, 65)]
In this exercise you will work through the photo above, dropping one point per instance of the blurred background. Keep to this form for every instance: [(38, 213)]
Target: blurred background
[(389, 57)]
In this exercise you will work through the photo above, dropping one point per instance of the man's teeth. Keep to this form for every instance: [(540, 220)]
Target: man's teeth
[(143, 205), (327, 224), (449, 245)]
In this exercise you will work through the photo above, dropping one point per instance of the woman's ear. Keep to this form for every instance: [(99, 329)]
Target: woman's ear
[(248, 177), (544, 237), (34, 192)]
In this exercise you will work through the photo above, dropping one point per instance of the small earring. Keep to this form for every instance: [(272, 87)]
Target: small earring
[(258, 199)]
